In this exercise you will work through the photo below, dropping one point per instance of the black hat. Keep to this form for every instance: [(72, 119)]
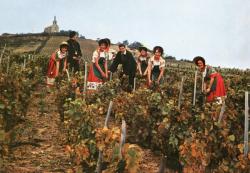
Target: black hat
[(199, 58), (103, 41)]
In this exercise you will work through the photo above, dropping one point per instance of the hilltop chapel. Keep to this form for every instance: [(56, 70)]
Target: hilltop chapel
[(54, 28)]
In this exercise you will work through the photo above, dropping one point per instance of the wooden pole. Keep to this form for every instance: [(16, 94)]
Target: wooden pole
[(2, 53), (108, 113), (162, 164), (123, 137), (8, 64), (246, 125), (85, 77), (223, 108), (99, 161), (24, 63), (134, 85), (68, 75), (202, 84), (180, 94), (195, 83), (111, 75)]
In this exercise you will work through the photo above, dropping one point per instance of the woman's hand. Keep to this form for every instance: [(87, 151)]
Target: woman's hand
[(150, 82), (103, 75), (208, 90)]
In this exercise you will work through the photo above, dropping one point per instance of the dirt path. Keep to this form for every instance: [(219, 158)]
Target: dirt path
[(39, 142)]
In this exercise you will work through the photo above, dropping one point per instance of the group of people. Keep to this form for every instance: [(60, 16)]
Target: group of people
[(105, 61), (66, 57)]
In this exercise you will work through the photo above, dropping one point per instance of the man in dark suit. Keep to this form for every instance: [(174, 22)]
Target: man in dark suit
[(128, 62), (74, 52)]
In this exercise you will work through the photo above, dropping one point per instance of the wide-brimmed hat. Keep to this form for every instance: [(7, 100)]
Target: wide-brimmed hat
[(64, 44), (199, 58)]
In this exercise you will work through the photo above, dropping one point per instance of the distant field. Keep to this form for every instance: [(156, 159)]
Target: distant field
[(23, 44)]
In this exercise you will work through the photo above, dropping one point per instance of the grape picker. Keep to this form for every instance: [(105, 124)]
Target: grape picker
[(213, 86)]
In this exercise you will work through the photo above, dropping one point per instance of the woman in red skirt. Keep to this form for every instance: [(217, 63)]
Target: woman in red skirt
[(213, 82), (98, 72), (57, 63)]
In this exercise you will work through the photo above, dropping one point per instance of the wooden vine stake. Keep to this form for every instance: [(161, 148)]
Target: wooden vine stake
[(8, 64), (134, 85), (68, 74), (85, 77), (24, 63), (246, 125), (108, 114), (223, 108), (111, 75), (162, 164), (202, 84), (180, 94), (123, 137), (195, 83), (99, 161), (2, 53)]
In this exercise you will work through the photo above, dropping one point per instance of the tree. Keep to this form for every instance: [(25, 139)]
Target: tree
[(125, 42), (135, 45), (169, 57)]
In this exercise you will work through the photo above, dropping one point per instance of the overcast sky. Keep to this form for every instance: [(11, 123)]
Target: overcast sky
[(218, 30)]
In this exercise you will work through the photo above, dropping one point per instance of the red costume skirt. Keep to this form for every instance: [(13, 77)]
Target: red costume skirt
[(51, 73), (219, 91), (93, 82)]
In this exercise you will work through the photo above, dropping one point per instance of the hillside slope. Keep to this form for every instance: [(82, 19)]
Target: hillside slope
[(87, 45), (23, 43), (45, 45)]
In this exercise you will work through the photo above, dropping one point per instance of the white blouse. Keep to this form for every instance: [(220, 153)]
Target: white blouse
[(60, 55), (107, 55), (161, 62)]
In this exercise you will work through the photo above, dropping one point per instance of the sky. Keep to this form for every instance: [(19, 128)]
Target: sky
[(218, 30)]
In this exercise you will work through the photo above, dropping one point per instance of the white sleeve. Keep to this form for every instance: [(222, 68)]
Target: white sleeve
[(163, 64), (95, 55)]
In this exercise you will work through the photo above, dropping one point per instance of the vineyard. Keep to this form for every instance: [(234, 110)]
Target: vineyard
[(162, 129)]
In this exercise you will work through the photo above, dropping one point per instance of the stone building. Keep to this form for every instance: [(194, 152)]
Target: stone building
[(52, 28)]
